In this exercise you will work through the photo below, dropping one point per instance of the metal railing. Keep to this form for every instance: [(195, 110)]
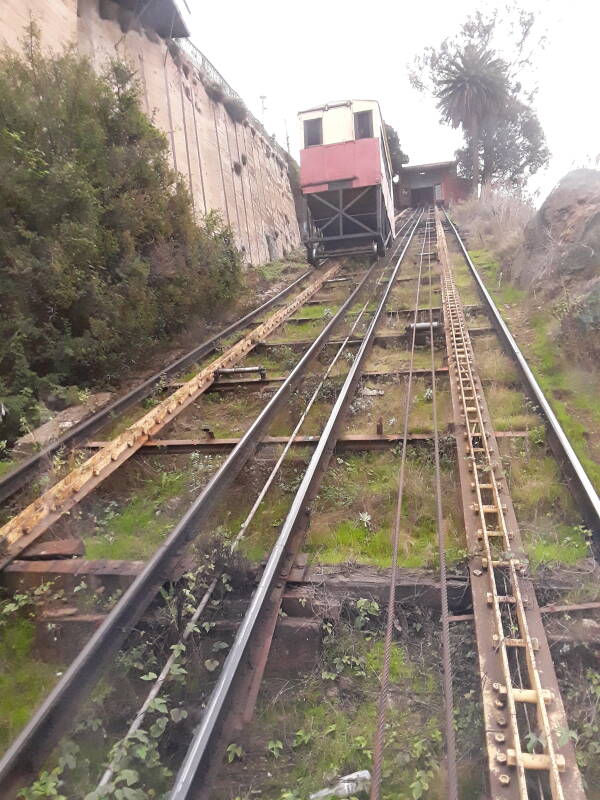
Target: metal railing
[(206, 66)]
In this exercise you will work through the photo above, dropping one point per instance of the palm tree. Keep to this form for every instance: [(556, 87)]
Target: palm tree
[(472, 85)]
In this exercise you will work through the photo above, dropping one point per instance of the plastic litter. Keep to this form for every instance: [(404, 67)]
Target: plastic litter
[(346, 786)]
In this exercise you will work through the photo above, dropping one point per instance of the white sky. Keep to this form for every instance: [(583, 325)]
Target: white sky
[(306, 53)]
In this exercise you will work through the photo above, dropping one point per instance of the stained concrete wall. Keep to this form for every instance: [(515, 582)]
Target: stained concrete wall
[(205, 143)]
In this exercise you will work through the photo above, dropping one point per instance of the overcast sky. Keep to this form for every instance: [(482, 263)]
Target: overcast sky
[(304, 54)]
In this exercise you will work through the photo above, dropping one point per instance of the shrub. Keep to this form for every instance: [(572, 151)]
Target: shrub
[(99, 251), (214, 90), (236, 108)]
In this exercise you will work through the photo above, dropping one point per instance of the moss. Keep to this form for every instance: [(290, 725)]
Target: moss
[(24, 679)]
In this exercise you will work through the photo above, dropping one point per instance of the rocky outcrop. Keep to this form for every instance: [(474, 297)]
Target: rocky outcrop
[(560, 256)]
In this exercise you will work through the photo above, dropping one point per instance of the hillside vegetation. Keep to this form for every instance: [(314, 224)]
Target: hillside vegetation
[(543, 269), (100, 255)]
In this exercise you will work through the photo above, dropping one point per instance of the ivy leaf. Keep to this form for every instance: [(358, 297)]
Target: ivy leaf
[(219, 646), (129, 776), (158, 727), (211, 664), (150, 676), (159, 704), (177, 714)]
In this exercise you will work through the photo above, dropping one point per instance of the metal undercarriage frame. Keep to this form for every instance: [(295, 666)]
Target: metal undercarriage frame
[(345, 220)]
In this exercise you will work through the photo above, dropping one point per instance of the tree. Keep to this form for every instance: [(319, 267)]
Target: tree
[(397, 155), (477, 78), (513, 147), (471, 85), (99, 252)]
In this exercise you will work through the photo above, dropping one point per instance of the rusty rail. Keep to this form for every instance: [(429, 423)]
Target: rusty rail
[(26, 754), (248, 650), (18, 477), (36, 518), (510, 633)]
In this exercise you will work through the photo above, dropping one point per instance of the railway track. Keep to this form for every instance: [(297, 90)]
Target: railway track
[(519, 688), (38, 518)]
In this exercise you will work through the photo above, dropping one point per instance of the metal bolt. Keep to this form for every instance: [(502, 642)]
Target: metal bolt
[(504, 779), (499, 737), (501, 757), (501, 720)]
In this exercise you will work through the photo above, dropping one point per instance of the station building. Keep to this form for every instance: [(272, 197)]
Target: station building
[(425, 184)]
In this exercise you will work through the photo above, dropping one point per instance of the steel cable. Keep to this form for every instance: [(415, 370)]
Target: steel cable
[(378, 742)]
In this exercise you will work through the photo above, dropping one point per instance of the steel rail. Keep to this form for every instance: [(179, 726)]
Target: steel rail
[(379, 736), (563, 450), (190, 627), (191, 777), (52, 718), (499, 537), (36, 518), (14, 480)]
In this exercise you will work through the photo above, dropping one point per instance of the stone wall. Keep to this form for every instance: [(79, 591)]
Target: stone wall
[(229, 166)]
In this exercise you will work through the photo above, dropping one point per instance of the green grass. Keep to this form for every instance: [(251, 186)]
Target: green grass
[(492, 364), (138, 527), (548, 519), (294, 333), (6, 466), (562, 544), (366, 483), (491, 273), (508, 409), (24, 679), (316, 311), (274, 270), (338, 726)]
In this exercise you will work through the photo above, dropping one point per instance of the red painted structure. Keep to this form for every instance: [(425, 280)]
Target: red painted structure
[(356, 163), (345, 179)]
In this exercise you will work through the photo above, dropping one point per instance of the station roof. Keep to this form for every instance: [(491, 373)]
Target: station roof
[(166, 17), (425, 167)]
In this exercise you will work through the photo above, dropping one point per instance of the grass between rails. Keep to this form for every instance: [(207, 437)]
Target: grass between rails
[(303, 740), (549, 522), (135, 525), (353, 514)]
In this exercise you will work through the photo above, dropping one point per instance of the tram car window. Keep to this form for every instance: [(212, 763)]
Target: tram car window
[(313, 132), (346, 180), (363, 125)]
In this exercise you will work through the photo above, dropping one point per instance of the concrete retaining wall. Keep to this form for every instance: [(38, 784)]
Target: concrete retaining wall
[(207, 147)]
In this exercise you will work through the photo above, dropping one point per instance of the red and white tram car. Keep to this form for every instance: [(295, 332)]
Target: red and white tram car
[(346, 179)]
